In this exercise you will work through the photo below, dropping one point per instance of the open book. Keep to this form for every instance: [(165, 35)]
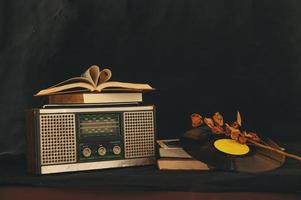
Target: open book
[(94, 80)]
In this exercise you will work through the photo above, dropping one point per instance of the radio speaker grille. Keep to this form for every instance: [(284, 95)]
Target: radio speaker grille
[(58, 138), (139, 134)]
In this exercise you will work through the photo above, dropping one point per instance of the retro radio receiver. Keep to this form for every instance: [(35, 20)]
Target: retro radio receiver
[(74, 139)]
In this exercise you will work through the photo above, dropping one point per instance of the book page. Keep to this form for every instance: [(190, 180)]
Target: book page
[(135, 86), (56, 89), (92, 74), (73, 80), (104, 76)]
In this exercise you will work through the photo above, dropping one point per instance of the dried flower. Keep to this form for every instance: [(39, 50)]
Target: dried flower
[(217, 130), (230, 129), (235, 125), (242, 139), (209, 122), (235, 135), (238, 118), (196, 120), (218, 119)]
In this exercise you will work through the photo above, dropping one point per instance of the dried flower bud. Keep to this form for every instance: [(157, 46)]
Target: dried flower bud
[(238, 118), (217, 130), (242, 139), (218, 119), (230, 129), (234, 135), (235, 125), (232, 132), (209, 122), (196, 120)]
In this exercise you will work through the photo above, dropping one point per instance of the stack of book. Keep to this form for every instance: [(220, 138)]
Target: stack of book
[(174, 157), (94, 87)]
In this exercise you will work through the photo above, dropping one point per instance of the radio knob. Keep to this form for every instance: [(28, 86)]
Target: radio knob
[(116, 150), (102, 151), (87, 152)]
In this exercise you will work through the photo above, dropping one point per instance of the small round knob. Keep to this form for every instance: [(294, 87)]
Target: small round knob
[(102, 151), (87, 152), (116, 150)]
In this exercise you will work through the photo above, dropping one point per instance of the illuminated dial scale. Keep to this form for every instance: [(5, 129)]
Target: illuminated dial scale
[(100, 137)]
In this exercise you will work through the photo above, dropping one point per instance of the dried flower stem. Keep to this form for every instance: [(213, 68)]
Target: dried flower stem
[(275, 150)]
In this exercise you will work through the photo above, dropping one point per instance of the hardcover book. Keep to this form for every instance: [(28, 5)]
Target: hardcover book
[(88, 98), (173, 157)]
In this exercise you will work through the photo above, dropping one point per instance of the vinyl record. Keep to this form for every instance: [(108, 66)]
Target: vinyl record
[(253, 160)]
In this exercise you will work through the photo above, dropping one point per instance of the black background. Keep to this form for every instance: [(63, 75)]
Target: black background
[(201, 56)]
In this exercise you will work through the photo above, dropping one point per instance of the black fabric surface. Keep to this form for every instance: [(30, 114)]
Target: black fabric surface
[(149, 178)]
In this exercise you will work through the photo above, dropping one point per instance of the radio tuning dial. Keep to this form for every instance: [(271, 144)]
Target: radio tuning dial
[(102, 151), (87, 152), (116, 150)]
